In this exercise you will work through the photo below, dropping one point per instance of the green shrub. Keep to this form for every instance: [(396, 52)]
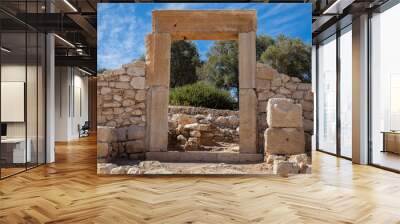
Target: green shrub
[(202, 95)]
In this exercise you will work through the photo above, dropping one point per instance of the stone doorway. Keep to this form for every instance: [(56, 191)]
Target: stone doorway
[(170, 25)]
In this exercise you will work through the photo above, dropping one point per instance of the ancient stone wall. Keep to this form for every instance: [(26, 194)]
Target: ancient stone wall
[(121, 112), (271, 84), (202, 129), (123, 98)]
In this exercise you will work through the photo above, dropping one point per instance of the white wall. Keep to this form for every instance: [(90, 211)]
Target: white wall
[(70, 83)]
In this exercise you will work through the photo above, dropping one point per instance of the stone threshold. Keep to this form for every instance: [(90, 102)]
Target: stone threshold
[(205, 157)]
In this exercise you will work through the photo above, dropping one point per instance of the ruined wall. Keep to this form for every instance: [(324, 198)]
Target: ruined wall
[(121, 112), (271, 84), (123, 99), (202, 129)]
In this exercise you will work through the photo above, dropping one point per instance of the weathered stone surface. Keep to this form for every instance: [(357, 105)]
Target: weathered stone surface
[(133, 171), (105, 168), (122, 134), (149, 164), (122, 85), (138, 83), (105, 90), (265, 72), (136, 132), (106, 134), (192, 144), (308, 125), (284, 168), (284, 113), (248, 121), (157, 124), (135, 146), (158, 59), (102, 150), (286, 141), (140, 95), (183, 119), (299, 158), (247, 60), (307, 106), (118, 170), (263, 84)]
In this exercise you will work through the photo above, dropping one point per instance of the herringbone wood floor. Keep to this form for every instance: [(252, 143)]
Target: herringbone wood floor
[(69, 191)]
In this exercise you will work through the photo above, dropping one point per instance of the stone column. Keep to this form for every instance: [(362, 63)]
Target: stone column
[(247, 96), (157, 79)]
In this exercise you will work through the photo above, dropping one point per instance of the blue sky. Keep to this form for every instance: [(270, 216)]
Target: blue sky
[(122, 27)]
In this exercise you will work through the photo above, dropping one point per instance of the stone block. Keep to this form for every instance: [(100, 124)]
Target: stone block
[(121, 134), (248, 121), (286, 141), (265, 72), (136, 132), (284, 168), (102, 150), (164, 156), (247, 60), (135, 146), (138, 83), (140, 95), (251, 157), (263, 84), (228, 157), (122, 85), (157, 118), (283, 113), (308, 125), (307, 105), (198, 157), (106, 134)]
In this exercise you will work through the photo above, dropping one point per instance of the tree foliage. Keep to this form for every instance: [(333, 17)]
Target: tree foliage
[(184, 61), (202, 95), (262, 44), (221, 68), (289, 56)]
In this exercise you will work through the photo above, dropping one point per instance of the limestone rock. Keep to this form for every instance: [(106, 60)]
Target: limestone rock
[(136, 132), (161, 171), (308, 125), (286, 141), (194, 126), (183, 119), (140, 95), (192, 144), (102, 150), (118, 170), (105, 168), (122, 134), (138, 83), (149, 164), (181, 139), (133, 170), (106, 134), (135, 146), (284, 113), (284, 168), (299, 158)]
